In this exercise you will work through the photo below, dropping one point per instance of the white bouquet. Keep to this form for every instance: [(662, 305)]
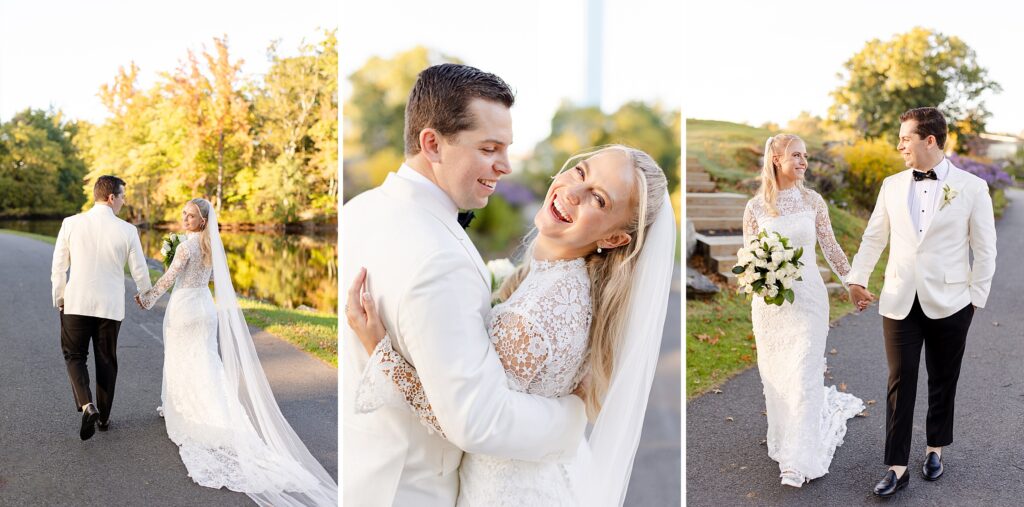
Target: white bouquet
[(170, 244), (767, 267), (500, 270)]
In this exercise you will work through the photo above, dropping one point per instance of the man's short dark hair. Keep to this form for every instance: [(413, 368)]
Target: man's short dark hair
[(105, 186), (440, 100), (930, 122)]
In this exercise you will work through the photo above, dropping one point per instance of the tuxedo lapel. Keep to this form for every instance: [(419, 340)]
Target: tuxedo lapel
[(955, 180), (901, 215), (402, 189)]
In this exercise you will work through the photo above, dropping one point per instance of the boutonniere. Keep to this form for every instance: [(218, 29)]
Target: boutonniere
[(948, 194)]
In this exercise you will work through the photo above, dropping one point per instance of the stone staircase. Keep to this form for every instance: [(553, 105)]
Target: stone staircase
[(718, 220)]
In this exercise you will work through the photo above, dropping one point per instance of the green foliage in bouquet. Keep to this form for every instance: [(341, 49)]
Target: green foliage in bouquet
[(761, 250)]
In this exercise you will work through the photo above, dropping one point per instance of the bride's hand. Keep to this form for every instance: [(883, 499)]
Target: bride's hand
[(581, 388), (361, 313), (138, 301)]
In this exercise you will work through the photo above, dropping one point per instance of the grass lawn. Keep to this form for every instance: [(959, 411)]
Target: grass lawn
[(314, 332)]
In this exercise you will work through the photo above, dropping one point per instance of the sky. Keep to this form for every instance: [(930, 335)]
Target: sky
[(59, 52), (536, 46), (752, 61)]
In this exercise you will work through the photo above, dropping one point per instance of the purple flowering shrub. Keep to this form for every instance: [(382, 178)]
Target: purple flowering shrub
[(992, 173)]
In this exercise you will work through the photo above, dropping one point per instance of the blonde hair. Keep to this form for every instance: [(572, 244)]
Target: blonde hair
[(769, 190), (610, 272), (204, 235)]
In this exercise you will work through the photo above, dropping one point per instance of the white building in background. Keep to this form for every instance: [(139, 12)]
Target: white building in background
[(1002, 146), (594, 31)]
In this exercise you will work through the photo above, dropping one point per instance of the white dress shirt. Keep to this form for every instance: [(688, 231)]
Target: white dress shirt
[(924, 197)]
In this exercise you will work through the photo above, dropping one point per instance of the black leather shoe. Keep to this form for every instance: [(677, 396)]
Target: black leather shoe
[(103, 425), (890, 484), (89, 417), (932, 468)]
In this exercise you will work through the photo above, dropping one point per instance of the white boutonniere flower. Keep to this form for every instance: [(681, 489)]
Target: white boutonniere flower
[(948, 194)]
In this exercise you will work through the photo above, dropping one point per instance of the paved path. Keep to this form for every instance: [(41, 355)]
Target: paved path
[(42, 460), (656, 472), (727, 464)]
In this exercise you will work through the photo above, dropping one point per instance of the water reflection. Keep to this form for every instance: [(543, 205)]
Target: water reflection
[(287, 270)]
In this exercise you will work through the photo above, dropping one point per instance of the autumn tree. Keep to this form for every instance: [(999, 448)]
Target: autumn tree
[(919, 68), (40, 166)]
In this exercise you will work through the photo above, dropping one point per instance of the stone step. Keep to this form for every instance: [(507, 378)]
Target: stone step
[(716, 199), (730, 279), (692, 161), (721, 246), (834, 288), (717, 223), (723, 263), (705, 211), (700, 186), (695, 177)]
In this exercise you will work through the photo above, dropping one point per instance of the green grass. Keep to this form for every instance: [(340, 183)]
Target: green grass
[(718, 145), (719, 337), (316, 333)]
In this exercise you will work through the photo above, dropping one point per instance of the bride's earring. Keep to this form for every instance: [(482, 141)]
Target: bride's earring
[(598, 249)]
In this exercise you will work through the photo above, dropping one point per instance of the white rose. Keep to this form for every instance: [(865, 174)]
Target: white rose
[(770, 278), (787, 283), (778, 257), (500, 269), (789, 254)]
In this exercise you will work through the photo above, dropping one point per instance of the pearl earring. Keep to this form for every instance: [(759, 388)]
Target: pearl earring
[(598, 249)]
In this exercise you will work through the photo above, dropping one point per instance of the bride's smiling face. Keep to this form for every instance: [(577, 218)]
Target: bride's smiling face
[(589, 206), (191, 219)]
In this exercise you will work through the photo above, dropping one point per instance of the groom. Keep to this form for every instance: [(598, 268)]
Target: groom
[(95, 245), (432, 291), (933, 216)]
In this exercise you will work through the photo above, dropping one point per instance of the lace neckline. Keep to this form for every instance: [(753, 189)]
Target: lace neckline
[(539, 265)]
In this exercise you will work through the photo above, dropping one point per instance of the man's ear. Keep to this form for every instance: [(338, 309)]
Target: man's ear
[(430, 144)]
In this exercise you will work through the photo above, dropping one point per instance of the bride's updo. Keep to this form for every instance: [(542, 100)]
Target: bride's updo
[(611, 271), (204, 234)]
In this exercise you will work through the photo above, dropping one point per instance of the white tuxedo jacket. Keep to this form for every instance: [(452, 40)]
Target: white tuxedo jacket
[(433, 294), (936, 266), (96, 245)]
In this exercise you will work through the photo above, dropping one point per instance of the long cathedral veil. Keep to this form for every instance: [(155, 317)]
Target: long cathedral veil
[(273, 450), (606, 457)]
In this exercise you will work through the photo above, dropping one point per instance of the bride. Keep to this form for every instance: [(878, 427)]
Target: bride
[(582, 314), (217, 404), (806, 421)]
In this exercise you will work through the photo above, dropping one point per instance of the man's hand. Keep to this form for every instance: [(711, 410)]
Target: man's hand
[(860, 296)]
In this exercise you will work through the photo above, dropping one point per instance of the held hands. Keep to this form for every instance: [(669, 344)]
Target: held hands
[(138, 301), (361, 313), (860, 296)]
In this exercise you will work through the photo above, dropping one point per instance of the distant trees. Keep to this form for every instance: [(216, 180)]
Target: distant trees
[(262, 149)]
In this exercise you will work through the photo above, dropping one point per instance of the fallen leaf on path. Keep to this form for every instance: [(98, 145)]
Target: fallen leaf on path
[(842, 386), (833, 352), (751, 495), (994, 323), (872, 402), (716, 391), (730, 419), (863, 414)]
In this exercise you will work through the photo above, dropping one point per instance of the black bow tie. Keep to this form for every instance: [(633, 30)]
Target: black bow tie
[(930, 175), (465, 218)]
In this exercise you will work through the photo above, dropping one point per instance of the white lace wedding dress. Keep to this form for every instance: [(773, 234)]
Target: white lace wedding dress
[(806, 420), (540, 334), (217, 444)]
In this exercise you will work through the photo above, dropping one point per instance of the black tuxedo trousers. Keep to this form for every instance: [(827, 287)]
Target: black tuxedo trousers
[(76, 332), (944, 341)]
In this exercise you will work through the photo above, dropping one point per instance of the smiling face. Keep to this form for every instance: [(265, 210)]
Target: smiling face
[(793, 165), (191, 219), (469, 165), (588, 206), (917, 153)]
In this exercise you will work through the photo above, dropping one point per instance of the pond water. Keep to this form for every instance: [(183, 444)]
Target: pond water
[(287, 270)]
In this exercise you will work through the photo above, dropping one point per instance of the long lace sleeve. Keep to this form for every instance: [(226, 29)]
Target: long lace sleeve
[(522, 347), (387, 366), (834, 254), (149, 297), (750, 228)]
